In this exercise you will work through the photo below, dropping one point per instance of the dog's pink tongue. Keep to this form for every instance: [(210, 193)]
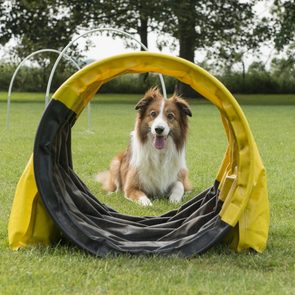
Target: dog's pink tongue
[(159, 142)]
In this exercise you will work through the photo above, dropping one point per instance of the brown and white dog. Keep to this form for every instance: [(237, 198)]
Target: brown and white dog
[(154, 163)]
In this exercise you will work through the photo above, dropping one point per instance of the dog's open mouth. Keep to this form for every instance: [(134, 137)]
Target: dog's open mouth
[(159, 142)]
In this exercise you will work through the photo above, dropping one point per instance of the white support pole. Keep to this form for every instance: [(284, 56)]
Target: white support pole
[(87, 33), (16, 71)]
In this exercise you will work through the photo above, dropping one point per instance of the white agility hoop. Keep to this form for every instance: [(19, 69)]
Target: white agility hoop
[(90, 32), (16, 71)]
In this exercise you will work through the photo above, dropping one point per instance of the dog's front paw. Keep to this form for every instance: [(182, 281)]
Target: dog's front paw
[(144, 201), (175, 198), (177, 193)]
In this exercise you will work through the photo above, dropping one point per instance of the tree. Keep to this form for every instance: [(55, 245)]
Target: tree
[(221, 25), (36, 25), (132, 16), (283, 69), (284, 13), (2, 17), (225, 26)]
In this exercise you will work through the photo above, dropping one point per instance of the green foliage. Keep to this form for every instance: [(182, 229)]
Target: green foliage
[(279, 79), (227, 29), (195, 24), (222, 28), (32, 79), (284, 27), (52, 24), (207, 22), (133, 16), (255, 82), (5, 34), (284, 70), (137, 84), (36, 25)]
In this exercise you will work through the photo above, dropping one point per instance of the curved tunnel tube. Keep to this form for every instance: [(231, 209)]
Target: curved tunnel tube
[(235, 206)]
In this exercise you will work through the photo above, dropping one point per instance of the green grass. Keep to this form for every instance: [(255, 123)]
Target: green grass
[(252, 99), (64, 269)]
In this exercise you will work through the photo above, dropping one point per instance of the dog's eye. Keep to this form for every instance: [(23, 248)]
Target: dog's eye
[(170, 116), (153, 114)]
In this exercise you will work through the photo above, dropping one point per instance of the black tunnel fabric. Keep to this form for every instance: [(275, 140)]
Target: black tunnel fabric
[(100, 230)]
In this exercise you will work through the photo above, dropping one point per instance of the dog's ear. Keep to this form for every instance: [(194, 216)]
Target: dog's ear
[(183, 106), (149, 96), (143, 103)]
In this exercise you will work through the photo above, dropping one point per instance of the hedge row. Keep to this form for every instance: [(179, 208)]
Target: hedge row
[(260, 82), (34, 79)]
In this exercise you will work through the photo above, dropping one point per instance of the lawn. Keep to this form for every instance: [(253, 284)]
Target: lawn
[(64, 269)]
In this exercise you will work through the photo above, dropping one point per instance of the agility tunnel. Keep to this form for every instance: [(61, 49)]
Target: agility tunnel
[(52, 202)]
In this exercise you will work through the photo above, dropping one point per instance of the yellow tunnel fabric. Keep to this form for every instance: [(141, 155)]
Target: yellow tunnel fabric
[(29, 223)]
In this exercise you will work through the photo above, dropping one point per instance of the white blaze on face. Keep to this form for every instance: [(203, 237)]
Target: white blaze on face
[(160, 129)]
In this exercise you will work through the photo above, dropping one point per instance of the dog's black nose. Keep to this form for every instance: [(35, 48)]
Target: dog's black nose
[(159, 130)]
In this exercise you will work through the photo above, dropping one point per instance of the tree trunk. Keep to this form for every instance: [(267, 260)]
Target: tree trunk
[(243, 74), (186, 51), (143, 31), (187, 42)]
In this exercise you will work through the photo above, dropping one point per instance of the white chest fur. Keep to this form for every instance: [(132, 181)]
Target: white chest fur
[(157, 170)]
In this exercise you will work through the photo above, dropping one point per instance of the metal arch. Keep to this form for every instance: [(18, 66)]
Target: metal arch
[(86, 33), (16, 71)]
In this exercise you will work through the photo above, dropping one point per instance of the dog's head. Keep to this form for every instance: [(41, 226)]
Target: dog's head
[(159, 118)]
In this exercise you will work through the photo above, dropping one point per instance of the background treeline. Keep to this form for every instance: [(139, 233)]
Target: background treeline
[(279, 78), (228, 32)]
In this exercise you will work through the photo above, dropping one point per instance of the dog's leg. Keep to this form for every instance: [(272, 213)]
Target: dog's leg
[(177, 192), (138, 196), (110, 179), (114, 179), (103, 179), (132, 191), (183, 177)]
